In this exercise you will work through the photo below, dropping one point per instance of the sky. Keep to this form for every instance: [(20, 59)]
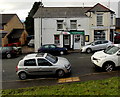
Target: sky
[(22, 7)]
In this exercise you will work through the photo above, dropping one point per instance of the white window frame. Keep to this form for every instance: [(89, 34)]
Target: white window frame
[(59, 22), (100, 19), (73, 24)]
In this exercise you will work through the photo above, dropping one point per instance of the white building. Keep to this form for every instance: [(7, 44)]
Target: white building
[(72, 27), (119, 9)]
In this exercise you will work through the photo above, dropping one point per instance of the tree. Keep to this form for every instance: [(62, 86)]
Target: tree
[(29, 22)]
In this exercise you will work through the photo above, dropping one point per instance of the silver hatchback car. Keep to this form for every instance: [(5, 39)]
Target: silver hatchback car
[(96, 46), (42, 64)]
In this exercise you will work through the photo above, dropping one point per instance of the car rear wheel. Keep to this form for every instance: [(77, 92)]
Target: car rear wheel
[(8, 56), (61, 52), (108, 67), (89, 50), (22, 75), (60, 73)]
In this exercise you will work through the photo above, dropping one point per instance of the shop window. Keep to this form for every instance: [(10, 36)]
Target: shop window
[(99, 19), (56, 39), (77, 38), (73, 24), (99, 35), (59, 24)]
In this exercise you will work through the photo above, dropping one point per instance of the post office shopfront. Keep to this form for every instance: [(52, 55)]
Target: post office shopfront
[(70, 40)]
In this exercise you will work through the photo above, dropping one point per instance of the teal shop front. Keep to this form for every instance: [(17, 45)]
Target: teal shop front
[(73, 39)]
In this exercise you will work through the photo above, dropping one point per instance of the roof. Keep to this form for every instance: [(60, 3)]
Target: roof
[(69, 12), (118, 22), (61, 12), (6, 18), (100, 8), (16, 33), (34, 55)]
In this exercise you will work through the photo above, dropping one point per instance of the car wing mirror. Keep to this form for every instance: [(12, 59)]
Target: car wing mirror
[(92, 44), (118, 53)]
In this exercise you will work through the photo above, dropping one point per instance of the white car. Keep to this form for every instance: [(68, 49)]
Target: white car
[(96, 46), (42, 64), (107, 59)]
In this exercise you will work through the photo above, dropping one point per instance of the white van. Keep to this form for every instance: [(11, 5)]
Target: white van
[(107, 59)]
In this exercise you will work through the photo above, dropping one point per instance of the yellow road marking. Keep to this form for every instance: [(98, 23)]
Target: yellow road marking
[(71, 79)]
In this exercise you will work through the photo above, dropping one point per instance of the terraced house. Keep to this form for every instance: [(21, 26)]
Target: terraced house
[(12, 29), (73, 27)]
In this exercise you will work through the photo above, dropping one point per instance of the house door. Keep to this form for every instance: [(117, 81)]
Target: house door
[(77, 41), (66, 41)]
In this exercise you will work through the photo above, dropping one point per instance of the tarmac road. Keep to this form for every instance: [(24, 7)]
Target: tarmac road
[(81, 68)]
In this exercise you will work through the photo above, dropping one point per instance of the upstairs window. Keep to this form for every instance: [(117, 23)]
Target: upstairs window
[(59, 24), (99, 19), (73, 24)]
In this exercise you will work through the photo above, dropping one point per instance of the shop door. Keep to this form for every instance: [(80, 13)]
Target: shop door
[(66, 41), (77, 41)]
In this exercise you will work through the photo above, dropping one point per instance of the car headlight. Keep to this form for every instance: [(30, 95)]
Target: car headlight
[(67, 66), (99, 59)]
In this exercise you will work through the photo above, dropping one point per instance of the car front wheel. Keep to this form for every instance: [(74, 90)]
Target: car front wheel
[(61, 52), (22, 75), (8, 56), (60, 73), (89, 50), (108, 67)]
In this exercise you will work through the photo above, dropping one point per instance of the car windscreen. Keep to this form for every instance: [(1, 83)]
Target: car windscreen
[(111, 50), (51, 58)]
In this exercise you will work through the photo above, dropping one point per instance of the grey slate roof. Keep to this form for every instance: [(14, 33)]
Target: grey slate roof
[(68, 12), (61, 12)]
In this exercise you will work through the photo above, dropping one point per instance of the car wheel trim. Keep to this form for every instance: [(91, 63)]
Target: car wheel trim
[(60, 73), (22, 75), (108, 67), (8, 55), (61, 52), (88, 50)]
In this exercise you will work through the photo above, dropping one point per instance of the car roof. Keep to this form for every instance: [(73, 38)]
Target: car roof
[(34, 55)]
